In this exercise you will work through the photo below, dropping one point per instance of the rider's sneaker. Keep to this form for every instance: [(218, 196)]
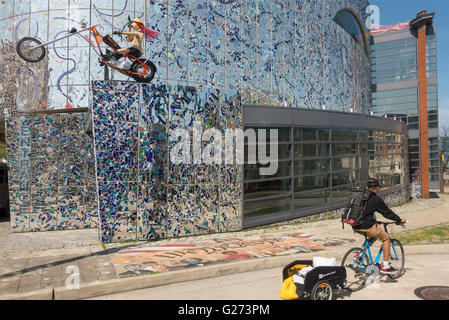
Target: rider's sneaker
[(125, 65), (388, 270)]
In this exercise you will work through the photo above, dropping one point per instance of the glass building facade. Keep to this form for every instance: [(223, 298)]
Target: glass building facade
[(320, 166), (394, 65)]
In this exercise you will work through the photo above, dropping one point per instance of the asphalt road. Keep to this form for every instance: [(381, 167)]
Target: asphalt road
[(421, 270)]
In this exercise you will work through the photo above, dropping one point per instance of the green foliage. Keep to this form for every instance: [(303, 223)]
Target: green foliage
[(428, 235)]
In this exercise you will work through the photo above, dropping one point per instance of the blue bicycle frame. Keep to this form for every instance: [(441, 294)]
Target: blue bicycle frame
[(366, 250)]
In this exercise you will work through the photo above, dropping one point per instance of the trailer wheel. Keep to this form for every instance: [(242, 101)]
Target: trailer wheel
[(322, 291)]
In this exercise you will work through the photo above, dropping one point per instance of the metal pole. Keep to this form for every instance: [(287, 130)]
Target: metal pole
[(69, 35), (106, 73)]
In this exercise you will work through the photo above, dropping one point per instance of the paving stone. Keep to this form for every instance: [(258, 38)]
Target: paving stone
[(23, 289)]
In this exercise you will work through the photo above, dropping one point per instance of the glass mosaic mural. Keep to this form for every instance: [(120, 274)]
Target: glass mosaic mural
[(51, 173), (142, 194), (286, 53)]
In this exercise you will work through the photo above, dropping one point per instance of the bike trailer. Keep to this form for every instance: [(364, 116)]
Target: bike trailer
[(316, 281)]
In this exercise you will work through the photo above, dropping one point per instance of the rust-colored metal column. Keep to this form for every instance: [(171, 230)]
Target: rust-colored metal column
[(423, 115), (420, 24)]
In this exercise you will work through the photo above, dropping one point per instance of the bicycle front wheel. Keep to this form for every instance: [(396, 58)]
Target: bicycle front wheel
[(30, 49), (397, 258), (355, 270)]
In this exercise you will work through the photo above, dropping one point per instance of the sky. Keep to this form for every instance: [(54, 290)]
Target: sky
[(395, 11)]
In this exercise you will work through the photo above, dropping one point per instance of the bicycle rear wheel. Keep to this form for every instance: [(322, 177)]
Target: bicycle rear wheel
[(397, 258), (355, 271), (30, 49)]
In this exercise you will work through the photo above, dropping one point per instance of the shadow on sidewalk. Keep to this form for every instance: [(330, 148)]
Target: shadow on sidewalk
[(57, 263)]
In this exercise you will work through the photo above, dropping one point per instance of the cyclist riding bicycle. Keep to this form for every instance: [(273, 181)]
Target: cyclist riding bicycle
[(371, 229), (136, 37)]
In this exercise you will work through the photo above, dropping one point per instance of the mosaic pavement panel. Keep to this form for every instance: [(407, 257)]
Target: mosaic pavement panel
[(154, 259)]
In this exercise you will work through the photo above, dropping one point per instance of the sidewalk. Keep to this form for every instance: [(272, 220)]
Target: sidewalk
[(29, 270)]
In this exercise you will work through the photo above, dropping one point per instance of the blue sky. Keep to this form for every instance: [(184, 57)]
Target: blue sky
[(395, 11)]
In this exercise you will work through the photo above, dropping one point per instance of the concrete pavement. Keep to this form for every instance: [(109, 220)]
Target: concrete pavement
[(421, 270), (30, 271)]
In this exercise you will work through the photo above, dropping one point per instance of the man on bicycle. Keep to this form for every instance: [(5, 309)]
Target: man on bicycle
[(371, 229)]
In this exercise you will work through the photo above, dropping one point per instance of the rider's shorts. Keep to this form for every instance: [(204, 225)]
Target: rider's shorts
[(135, 52), (376, 231)]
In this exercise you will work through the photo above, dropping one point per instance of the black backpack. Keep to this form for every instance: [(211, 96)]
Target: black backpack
[(354, 211)]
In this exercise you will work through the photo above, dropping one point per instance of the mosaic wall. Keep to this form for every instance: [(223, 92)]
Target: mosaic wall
[(24, 85), (142, 194), (51, 173), (278, 52), (415, 190)]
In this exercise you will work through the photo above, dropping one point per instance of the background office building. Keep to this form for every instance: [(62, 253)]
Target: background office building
[(405, 87), (302, 67)]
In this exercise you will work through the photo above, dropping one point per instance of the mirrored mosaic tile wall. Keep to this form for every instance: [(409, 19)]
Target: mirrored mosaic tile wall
[(142, 194), (279, 52), (51, 173)]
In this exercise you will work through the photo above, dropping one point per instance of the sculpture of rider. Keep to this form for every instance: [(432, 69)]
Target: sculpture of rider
[(136, 37)]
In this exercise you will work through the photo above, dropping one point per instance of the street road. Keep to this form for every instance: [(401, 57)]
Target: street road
[(421, 270)]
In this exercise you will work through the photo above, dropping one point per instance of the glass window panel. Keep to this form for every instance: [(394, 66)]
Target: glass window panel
[(342, 178), (311, 150), (323, 135), (363, 135), (309, 134), (304, 134), (311, 199), (342, 163), (432, 96), (394, 51), (387, 45), (311, 166), (434, 155), (364, 148), (311, 183), (433, 125), (372, 172), (435, 163), (396, 179), (284, 150), (432, 104), (344, 135), (252, 171), (339, 149), (341, 193), (435, 177), (267, 188), (263, 207), (432, 89), (284, 134)]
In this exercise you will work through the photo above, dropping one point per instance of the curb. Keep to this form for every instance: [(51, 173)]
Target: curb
[(100, 288)]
